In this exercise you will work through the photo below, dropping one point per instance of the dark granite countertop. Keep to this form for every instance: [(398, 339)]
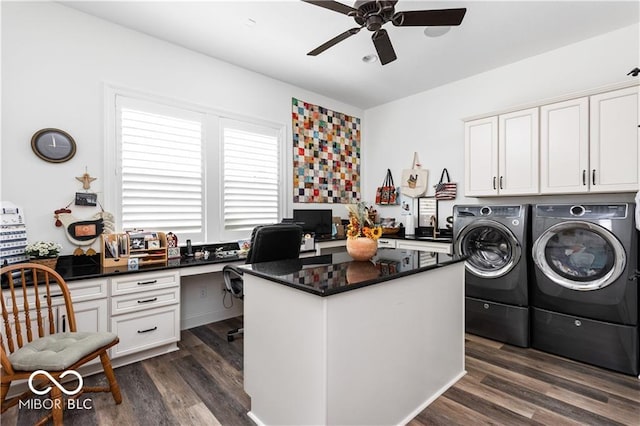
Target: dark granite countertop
[(85, 267), (336, 273)]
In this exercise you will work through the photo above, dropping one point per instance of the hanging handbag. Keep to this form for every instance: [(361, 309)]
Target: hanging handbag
[(414, 180), (446, 190), (387, 193)]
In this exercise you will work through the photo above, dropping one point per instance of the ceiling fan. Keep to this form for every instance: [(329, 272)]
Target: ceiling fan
[(373, 14)]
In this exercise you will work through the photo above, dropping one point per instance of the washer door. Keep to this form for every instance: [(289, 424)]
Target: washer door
[(491, 247), (579, 255)]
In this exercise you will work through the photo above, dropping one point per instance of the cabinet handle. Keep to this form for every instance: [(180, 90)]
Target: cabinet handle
[(148, 300), (494, 183), (584, 177), (52, 296), (593, 177), (147, 282), (64, 323), (501, 182), (148, 330)]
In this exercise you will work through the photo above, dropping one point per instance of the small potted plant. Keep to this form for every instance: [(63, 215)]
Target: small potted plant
[(362, 233), (43, 252)]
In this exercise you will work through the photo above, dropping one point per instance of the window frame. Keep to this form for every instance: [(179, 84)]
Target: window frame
[(279, 133), (212, 157)]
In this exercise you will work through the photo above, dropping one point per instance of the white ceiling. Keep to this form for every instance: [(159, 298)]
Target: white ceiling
[(492, 34)]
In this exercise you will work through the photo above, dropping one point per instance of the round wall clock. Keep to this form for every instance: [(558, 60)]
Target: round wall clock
[(53, 145)]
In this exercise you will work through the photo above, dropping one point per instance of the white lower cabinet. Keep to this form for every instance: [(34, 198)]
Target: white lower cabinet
[(145, 311), (431, 246), (146, 329), (386, 243), (90, 316)]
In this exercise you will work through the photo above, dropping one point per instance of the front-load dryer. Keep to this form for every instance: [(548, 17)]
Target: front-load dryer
[(584, 290), (495, 241)]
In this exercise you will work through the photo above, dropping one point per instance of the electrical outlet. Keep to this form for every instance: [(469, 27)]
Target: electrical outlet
[(203, 292)]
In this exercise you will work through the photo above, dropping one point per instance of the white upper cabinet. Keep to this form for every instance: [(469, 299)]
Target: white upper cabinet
[(501, 154), (518, 152), (614, 154), (583, 145), (481, 157), (564, 147)]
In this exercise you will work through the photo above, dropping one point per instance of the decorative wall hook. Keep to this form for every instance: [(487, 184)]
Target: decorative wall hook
[(86, 179)]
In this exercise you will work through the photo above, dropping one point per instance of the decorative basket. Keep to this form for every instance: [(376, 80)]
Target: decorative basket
[(389, 231), (51, 262)]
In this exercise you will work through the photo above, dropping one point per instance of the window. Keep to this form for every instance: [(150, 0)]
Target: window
[(251, 176), (161, 179), (186, 169)]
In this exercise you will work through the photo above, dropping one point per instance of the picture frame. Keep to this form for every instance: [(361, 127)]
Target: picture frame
[(137, 243), (153, 244), (86, 199)]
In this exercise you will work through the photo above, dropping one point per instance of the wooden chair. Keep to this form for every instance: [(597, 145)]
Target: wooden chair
[(29, 340)]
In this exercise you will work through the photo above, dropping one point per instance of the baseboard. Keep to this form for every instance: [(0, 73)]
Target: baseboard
[(209, 317), (435, 396)]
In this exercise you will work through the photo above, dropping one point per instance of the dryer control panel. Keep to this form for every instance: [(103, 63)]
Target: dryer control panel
[(490, 211), (583, 211)]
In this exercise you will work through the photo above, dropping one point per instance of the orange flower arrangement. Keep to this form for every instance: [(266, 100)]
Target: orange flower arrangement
[(360, 225)]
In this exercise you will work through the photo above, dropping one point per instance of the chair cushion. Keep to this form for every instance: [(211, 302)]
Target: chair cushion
[(58, 351)]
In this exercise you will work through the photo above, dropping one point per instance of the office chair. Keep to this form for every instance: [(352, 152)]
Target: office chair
[(268, 243), (39, 335)]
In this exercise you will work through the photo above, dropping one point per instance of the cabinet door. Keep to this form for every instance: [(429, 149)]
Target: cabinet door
[(90, 316), (614, 154), (564, 147), (518, 152), (481, 157)]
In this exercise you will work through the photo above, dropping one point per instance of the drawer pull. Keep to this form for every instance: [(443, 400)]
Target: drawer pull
[(148, 330), (148, 300), (147, 282), (52, 296)]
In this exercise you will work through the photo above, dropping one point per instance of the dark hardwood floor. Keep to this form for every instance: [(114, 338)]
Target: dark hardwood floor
[(202, 385)]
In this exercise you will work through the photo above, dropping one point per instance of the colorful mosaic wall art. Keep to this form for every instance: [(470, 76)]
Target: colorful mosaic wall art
[(326, 155)]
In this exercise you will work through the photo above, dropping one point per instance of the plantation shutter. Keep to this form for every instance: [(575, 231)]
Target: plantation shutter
[(162, 170), (250, 175)]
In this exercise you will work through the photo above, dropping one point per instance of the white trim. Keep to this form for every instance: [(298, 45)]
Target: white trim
[(561, 98), (211, 128)]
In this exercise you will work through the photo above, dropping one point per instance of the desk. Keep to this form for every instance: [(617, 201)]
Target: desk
[(332, 341)]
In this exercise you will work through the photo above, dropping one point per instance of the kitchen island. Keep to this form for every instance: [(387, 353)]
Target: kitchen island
[(330, 341)]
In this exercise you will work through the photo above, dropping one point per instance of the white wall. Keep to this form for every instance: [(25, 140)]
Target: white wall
[(55, 62), (431, 122)]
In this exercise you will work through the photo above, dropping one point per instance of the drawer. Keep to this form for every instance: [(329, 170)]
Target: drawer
[(385, 243), (145, 300), (144, 330), (425, 246), (80, 292), (497, 321), (608, 345), (138, 282)]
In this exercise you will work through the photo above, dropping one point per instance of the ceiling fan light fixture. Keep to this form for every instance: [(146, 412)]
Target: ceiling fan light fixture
[(436, 31), (369, 59)]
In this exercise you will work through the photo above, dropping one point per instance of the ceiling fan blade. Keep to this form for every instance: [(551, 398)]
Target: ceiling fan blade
[(429, 18), (383, 46), (332, 5), (318, 50)]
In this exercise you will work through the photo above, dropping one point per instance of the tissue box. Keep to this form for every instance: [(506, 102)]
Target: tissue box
[(307, 243)]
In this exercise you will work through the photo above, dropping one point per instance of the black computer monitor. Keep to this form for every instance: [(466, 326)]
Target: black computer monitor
[(317, 221)]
